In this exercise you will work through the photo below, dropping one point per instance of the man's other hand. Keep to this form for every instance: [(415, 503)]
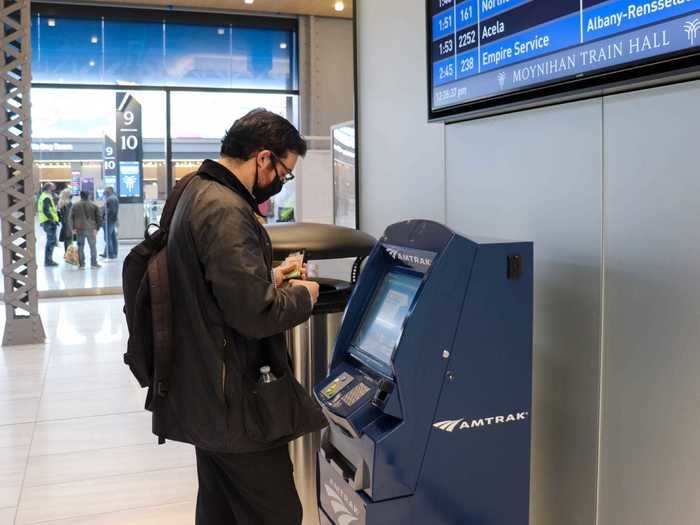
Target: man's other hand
[(311, 286), (282, 270)]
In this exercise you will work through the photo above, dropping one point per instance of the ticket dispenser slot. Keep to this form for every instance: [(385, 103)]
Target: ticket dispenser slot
[(352, 470)]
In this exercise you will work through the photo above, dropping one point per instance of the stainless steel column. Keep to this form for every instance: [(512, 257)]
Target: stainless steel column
[(311, 344), (311, 347)]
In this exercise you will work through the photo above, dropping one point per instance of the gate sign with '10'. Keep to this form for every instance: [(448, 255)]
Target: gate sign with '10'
[(483, 53), (129, 146)]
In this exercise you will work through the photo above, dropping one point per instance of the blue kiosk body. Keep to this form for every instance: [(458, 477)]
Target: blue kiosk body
[(429, 392)]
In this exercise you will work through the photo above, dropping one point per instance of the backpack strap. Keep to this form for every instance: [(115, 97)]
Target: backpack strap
[(161, 306), (161, 320), (171, 203)]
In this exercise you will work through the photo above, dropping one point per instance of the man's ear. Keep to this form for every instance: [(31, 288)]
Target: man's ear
[(263, 157)]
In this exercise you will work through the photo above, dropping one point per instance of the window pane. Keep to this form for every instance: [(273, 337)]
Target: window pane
[(198, 55), (161, 53), (133, 52), (197, 136), (71, 129), (68, 50), (262, 59)]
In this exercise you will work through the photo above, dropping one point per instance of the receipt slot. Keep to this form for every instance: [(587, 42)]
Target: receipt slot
[(429, 392)]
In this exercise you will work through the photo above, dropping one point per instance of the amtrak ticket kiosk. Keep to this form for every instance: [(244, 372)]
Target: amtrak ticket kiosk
[(429, 392)]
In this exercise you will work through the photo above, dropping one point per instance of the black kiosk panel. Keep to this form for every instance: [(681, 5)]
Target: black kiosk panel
[(429, 392)]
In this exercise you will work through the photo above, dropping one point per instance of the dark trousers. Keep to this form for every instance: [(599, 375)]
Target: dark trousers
[(247, 489), (111, 242), (51, 241)]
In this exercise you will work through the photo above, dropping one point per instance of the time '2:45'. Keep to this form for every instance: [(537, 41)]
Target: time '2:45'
[(446, 71)]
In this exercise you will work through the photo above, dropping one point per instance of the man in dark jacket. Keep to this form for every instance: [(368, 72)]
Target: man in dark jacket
[(86, 219), (110, 216), (230, 311)]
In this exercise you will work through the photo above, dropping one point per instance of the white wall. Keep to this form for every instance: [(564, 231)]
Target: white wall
[(400, 155), (315, 187), (535, 176), (650, 463), (609, 191), (326, 73), (333, 89)]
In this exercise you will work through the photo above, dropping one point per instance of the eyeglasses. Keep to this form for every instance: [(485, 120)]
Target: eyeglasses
[(288, 175)]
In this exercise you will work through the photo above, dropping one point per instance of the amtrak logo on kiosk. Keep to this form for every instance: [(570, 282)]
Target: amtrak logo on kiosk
[(416, 258), (451, 425), (344, 508)]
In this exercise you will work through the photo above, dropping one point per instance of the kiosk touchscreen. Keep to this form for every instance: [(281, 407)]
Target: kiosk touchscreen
[(429, 393), (380, 330)]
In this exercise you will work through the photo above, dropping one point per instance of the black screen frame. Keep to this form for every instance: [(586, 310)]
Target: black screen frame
[(666, 69)]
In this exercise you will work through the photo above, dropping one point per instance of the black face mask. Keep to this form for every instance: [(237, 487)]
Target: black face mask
[(264, 194)]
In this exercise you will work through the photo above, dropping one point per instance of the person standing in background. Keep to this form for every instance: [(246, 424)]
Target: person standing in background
[(49, 221), (65, 204), (111, 221), (86, 219)]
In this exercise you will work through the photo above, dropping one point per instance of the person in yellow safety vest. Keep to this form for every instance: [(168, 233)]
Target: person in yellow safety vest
[(49, 221)]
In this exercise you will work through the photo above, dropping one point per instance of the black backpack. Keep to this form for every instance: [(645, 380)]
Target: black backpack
[(147, 303)]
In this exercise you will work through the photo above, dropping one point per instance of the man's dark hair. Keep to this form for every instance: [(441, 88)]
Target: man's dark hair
[(258, 130), (48, 186), (84, 195)]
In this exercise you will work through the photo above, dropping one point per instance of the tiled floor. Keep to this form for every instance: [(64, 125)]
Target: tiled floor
[(75, 442)]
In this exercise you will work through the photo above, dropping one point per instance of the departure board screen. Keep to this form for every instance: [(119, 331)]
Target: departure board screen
[(493, 49)]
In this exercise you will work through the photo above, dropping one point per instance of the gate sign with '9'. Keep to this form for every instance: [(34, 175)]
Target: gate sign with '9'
[(109, 156), (129, 149)]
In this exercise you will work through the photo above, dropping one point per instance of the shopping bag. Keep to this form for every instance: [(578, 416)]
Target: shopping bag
[(71, 256)]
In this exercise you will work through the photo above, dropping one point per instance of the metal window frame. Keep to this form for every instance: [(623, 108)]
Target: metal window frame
[(290, 24), (166, 14)]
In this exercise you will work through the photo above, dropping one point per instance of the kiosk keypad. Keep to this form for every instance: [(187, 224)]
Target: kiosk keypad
[(355, 394)]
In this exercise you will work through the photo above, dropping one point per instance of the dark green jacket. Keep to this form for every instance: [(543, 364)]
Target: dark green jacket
[(85, 216), (228, 317)]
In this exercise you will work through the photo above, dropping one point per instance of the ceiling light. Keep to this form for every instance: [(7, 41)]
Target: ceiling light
[(339, 6), (94, 40), (283, 45), (52, 22), (221, 31), (92, 63), (248, 1)]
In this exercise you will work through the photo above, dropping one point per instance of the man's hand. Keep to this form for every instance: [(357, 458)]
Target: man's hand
[(311, 286), (282, 270)]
